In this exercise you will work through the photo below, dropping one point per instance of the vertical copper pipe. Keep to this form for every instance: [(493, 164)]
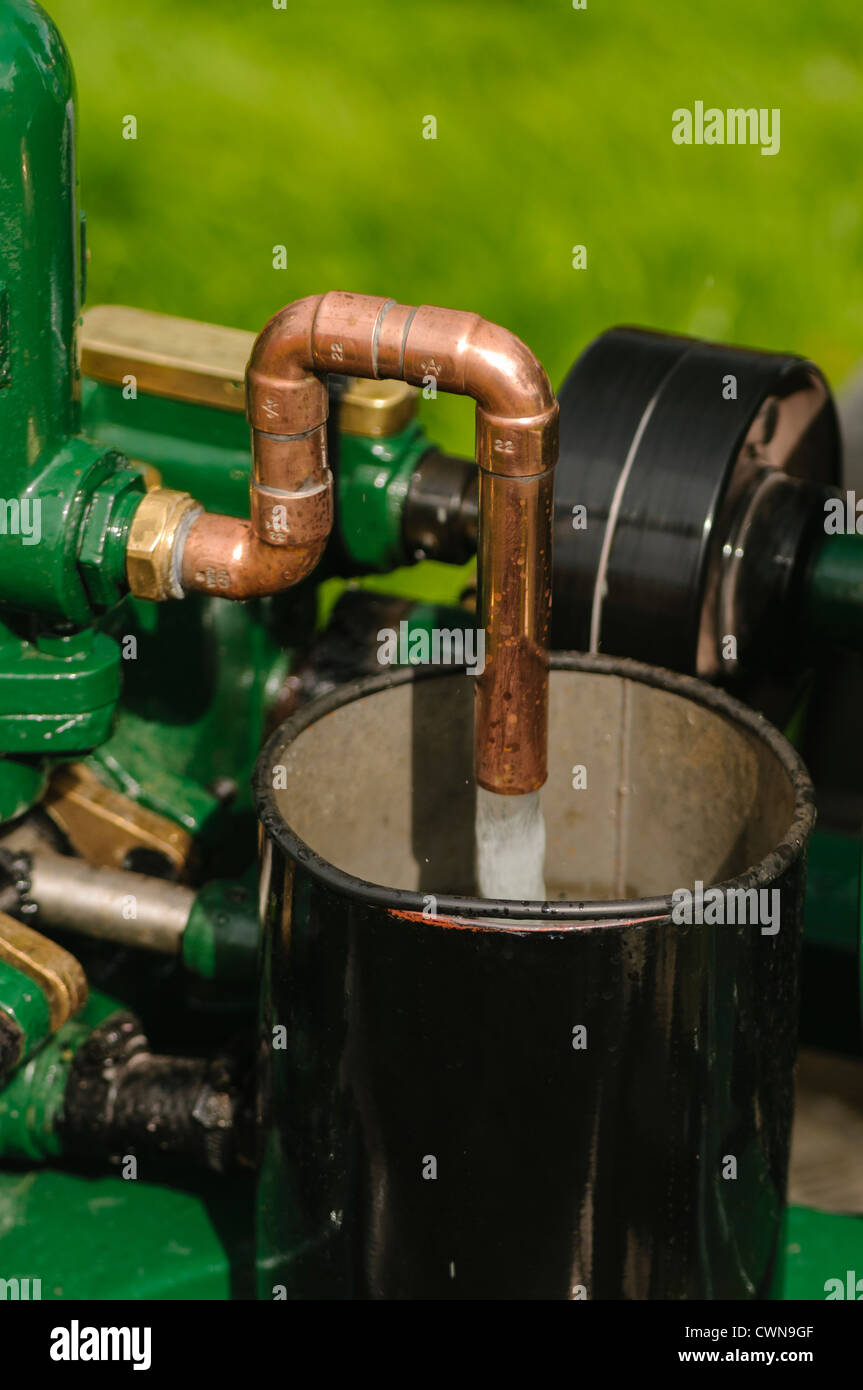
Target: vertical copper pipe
[(514, 608), (516, 450), (290, 504)]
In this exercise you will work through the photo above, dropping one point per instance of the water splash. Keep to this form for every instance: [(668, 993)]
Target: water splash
[(510, 846)]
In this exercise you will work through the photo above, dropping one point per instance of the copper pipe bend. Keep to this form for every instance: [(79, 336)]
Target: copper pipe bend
[(516, 451)]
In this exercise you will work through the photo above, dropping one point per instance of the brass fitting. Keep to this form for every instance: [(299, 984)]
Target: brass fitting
[(103, 826), (153, 550), (56, 973), (205, 364), (373, 408)]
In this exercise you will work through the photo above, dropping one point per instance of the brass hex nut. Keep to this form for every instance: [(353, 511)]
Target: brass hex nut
[(153, 550)]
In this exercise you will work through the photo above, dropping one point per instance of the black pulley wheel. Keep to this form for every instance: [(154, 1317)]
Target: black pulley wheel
[(675, 456)]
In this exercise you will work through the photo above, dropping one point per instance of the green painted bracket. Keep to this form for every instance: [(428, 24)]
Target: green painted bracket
[(57, 694)]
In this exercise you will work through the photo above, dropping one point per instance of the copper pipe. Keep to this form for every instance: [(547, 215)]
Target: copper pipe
[(516, 450), (223, 556), (291, 487)]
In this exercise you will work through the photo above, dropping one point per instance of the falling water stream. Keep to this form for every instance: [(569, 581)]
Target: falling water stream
[(510, 846)]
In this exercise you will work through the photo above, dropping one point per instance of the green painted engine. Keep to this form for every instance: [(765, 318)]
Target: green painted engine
[(130, 986)]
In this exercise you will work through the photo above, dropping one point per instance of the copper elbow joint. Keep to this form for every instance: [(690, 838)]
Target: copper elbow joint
[(291, 493), (291, 487)]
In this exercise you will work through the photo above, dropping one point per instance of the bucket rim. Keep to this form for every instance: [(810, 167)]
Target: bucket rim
[(559, 915)]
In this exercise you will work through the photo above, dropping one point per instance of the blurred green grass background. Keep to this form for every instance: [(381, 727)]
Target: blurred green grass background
[(303, 127)]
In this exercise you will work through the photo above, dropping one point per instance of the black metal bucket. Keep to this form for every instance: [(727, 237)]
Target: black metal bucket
[(468, 1099)]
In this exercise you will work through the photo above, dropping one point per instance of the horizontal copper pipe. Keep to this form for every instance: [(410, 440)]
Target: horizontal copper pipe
[(516, 449)]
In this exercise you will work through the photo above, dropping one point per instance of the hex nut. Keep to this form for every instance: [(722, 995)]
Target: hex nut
[(158, 527)]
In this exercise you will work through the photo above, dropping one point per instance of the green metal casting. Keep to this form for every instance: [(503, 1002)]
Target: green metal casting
[(373, 480), (221, 937), (198, 450), (27, 1005), (833, 603), (31, 1104), (50, 475), (833, 890), (67, 503), (818, 1248), (40, 244), (72, 557), (22, 784), (57, 693), (831, 988), (88, 1237), (199, 679), (205, 451)]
